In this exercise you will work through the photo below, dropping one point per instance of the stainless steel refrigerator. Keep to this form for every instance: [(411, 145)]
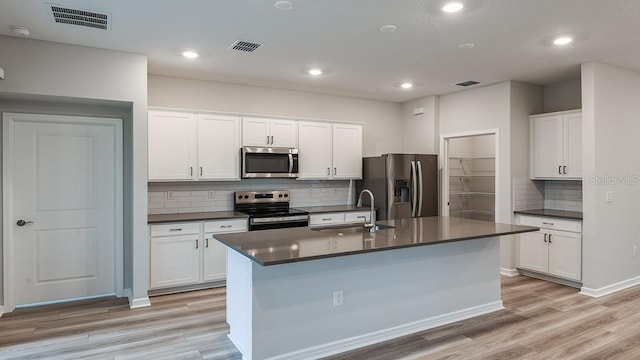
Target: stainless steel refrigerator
[(404, 185)]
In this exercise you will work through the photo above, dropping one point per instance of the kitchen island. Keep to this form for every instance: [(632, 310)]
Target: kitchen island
[(306, 293)]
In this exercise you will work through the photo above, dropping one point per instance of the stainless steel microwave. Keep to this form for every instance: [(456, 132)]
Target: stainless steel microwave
[(261, 162)]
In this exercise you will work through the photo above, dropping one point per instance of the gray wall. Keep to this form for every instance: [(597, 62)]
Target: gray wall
[(420, 132), (382, 120), (610, 148), (44, 76), (566, 95)]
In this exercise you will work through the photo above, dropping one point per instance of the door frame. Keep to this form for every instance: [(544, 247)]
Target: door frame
[(8, 126), (444, 165)]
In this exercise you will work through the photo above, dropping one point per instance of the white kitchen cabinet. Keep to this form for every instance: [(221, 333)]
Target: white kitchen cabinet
[(555, 250), (338, 218), (189, 146), (347, 151), (187, 254), (214, 252), (266, 132), (218, 147), (172, 145), (556, 145), (330, 151), (175, 259), (316, 150)]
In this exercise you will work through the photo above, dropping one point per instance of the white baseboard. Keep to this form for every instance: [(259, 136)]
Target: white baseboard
[(375, 337), (136, 303), (509, 272), (1, 310), (609, 289)]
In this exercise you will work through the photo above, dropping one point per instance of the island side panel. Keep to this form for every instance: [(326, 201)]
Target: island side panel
[(239, 301), (386, 294)]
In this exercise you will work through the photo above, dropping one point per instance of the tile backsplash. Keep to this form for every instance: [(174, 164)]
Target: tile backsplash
[(563, 195), (172, 198), (548, 194)]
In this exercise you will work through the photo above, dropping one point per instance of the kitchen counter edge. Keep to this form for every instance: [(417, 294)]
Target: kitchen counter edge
[(563, 214), (194, 216)]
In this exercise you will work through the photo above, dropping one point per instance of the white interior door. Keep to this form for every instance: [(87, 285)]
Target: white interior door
[(65, 174)]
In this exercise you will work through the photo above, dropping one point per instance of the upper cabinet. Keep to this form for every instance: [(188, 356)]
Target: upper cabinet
[(330, 151), (188, 146), (556, 145), (172, 145), (269, 132)]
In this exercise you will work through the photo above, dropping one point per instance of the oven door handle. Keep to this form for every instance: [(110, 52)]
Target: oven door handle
[(290, 163)]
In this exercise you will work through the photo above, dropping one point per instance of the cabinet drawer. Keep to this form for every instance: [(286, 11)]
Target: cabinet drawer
[(326, 219), (175, 229), (357, 216), (550, 223), (226, 226)]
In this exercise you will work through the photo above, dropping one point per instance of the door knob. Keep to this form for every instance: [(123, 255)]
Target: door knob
[(23, 223)]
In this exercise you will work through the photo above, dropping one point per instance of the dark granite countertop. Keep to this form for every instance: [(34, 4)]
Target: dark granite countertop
[(279, 246), (332, 208), (195, 216), (573, 215)]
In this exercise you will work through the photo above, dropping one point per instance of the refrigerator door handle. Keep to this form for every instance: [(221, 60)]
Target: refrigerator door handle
[(414, 189), (419, 195)]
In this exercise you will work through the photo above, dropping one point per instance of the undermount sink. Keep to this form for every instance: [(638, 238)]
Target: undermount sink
[(351, 228)]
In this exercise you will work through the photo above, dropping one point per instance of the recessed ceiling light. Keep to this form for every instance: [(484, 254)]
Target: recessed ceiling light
[(283, 5), (466, 46), (190, 54), (564, 40), (20, 30), (406, 85), (452, 7), (388, 28), (315, 72)]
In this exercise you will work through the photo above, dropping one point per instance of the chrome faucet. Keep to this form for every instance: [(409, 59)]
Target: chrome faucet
[(372, 216)]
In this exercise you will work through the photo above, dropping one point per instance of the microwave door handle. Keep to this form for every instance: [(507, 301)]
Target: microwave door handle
[(290, 163)]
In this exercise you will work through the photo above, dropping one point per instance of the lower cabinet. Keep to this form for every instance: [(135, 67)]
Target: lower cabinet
[(555, 250), (186, 253), (338, 218)]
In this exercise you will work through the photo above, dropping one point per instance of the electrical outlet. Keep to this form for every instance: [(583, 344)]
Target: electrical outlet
[(212, 194), (635, 250), (608, 197), (338, 298), (171, 195)]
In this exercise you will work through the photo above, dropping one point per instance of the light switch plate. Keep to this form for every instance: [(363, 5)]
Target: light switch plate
[(608, 196)]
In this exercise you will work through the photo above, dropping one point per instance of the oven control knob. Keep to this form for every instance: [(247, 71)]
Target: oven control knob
[(240, 197), (279, 195), (286, 195), (246, 196)]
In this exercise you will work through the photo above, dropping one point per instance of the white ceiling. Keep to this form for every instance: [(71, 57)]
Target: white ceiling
[(512, 40)]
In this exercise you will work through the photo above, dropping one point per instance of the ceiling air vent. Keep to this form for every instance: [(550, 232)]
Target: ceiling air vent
[(78, 17), (245, 46), (468, 83)]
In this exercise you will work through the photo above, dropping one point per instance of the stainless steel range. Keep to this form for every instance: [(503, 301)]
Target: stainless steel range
[(269, 209)]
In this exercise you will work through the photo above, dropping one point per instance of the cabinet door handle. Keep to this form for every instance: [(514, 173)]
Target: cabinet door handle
[(178, 229), (200, 170), (271, 139), (545, 237), (559, 169), (326, 219), (361, 217), (547, 223), (191, 170), (206, 242), (564, 169), (196, 243), (335, 171), (267, 139), (328, 171), (549, 238), (225, 226)]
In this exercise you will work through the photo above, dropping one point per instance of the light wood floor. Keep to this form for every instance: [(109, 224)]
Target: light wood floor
[(542, 320)]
